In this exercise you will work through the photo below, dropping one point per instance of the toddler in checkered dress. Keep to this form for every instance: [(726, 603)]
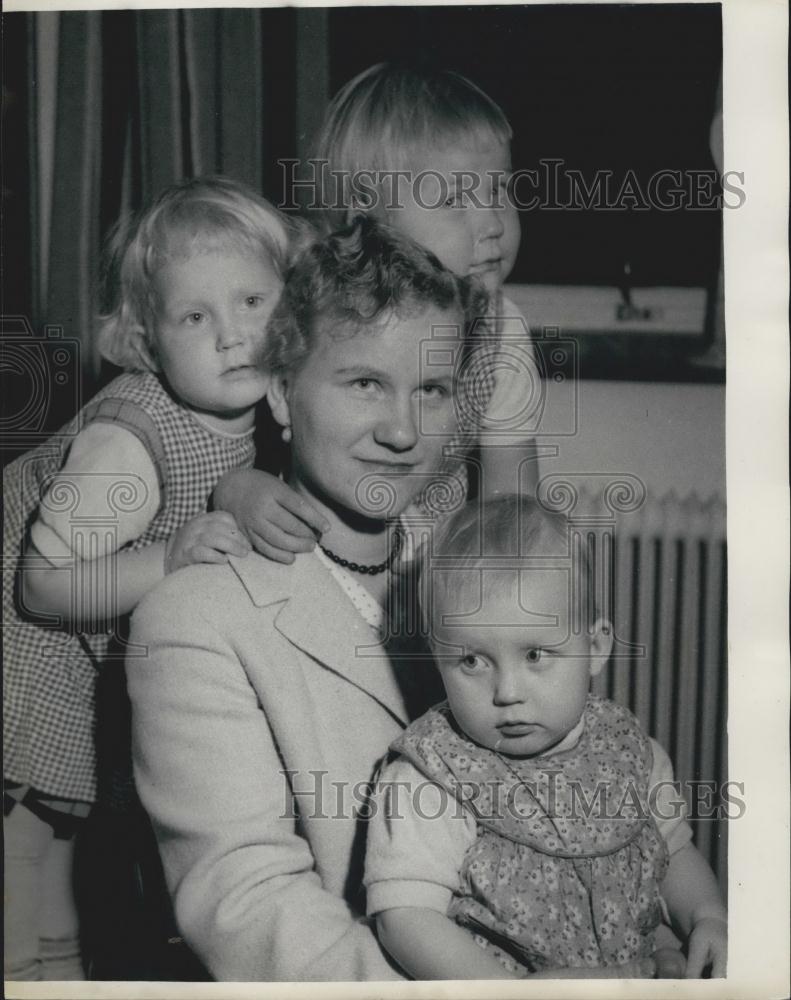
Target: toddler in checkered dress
[(113, 502), (429, 153)]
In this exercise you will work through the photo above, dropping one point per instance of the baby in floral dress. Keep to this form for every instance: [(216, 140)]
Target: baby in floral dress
[(525, 815)]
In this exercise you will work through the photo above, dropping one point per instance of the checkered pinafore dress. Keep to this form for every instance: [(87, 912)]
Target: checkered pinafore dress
[(50, 674)]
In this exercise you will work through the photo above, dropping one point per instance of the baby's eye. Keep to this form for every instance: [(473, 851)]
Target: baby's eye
[(254, 301), (453, 200), (472, 664), (193, 318)]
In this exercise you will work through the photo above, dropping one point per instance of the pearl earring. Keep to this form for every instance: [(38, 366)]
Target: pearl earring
[(285, 434)]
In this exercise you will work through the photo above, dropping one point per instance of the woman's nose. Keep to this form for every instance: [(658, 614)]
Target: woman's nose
[(397, 427)]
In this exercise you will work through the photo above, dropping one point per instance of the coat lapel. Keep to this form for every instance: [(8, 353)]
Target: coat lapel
[(318, 618)]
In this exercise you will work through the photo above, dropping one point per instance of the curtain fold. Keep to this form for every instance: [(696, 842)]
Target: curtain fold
[(74, 224), (144, 99), (163, 141), (239, 87)]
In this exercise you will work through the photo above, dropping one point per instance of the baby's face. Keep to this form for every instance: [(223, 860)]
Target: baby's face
[(518, 679), (460, 210)]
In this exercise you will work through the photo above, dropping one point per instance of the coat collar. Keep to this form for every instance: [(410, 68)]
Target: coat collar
[(318, 618)]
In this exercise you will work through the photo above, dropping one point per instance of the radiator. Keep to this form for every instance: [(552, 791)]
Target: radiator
[(660, 571)]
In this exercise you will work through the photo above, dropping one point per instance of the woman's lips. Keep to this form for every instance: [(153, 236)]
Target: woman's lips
[(377, 464)]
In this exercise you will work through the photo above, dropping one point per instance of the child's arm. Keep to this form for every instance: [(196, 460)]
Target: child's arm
[(514, 413), (694, 902), (429, 945), (90, 590), (277, 520)]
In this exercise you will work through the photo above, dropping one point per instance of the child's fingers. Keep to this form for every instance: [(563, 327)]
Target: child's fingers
[(279, 537), (697, 958), (641, 968), (221, 518), (270, 552), (206, 554), (233, 543), (719, 966), (281, 519), (670, 963), (305, 511)]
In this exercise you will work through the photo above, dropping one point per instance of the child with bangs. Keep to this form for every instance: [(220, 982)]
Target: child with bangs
[(427, 152), (192, 282), (524, 813)]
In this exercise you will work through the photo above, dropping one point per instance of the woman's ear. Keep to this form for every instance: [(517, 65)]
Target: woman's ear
[(277, 397), (601, 645)]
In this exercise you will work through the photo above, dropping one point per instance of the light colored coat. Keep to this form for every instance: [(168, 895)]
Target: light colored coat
[(255, 669)]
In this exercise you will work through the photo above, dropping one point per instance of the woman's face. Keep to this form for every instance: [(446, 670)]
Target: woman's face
[(370, 413)]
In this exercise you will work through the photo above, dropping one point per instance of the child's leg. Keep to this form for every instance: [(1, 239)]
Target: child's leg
[(42, 925), (26, 842), (59, 929)]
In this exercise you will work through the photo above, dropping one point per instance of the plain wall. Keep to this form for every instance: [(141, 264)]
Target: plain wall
[(672, 436)]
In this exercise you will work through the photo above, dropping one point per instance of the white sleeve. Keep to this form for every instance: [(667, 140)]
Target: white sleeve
[(667, 806), (514, 408), (417, 837), (106, 464)]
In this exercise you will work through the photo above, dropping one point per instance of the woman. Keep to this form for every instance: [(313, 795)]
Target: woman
[(265, 697)]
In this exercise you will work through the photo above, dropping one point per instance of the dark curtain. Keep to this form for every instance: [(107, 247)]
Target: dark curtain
[(143, 99)]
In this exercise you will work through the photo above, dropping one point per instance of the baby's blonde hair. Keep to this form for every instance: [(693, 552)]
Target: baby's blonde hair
[(386, 115), (195, 216), (519, 530)]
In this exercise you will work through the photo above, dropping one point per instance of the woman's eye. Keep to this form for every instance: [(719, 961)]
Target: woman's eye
[(435, 391), (366, 384), (453, 201), (254, 301), (534, 655)]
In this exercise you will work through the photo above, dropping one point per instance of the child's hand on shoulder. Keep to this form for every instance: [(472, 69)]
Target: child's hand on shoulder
[(207, 538), (708, 947), (277, 521)]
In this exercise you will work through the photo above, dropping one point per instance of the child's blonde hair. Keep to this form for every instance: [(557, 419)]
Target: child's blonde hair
[(195, 216), (517, 530), (381, 118)]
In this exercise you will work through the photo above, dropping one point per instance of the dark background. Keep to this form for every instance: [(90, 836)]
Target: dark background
[(597, 86), (600, 87)]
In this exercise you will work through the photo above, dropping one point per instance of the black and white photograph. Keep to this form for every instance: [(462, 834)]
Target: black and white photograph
[(394, 444)]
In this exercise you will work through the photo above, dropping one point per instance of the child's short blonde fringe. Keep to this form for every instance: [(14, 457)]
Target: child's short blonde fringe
[(194, 216), (384, 118)]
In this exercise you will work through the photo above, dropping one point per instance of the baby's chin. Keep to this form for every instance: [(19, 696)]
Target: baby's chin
[(492, 281)]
